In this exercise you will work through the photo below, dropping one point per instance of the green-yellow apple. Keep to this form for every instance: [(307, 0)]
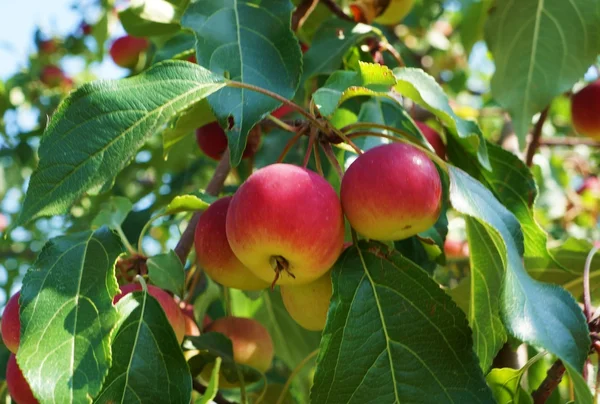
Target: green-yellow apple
[(213, 142), (308, 304), (585, 110), (11, 324), (385, 12), (434, 139), (168, 304), (18, 388), (391, 192), (214, 253), (286, 218), (126, 50)]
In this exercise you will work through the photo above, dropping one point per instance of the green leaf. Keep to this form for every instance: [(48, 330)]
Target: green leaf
[(540, 49), (393, 334), (148, 364), (177, 47), (166, 272), (423, 89), (100, 34), (474, 16), (187, 203), (506, 386), (113, 212), (66, 303), (213, 385), (371, 79), (152, 17), (487, 274), (97, 130), (211, 293), (195, 117), (583, 394), (248, 41), (536, 313)]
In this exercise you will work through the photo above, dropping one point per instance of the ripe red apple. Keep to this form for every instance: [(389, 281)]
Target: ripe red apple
[(214, 253), (585, 110), (52, 76), (212, 141), (434, 139), (308, 304), (286, 218), (126, 51), (391, 192), (168, 304), (11, 324), (252, 344), (18, 388), (48, 46)]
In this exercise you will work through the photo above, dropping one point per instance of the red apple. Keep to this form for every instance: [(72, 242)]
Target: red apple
[(18, 388), (214, 253), (391, 192), (11, 324), (212, 141), (434, 139), (286, 218), (48, 46), (456, 248), (126, 51), (168, 304), (308, 304), (282, 111), (52, 76), (585, 110)]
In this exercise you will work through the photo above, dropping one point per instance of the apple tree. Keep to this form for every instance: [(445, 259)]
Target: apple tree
[(303, 201)]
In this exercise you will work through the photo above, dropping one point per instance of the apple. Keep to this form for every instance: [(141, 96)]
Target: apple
[(434, 139), (126, 50), (214, 253), (52, 76), (395, 12), (391, 192), (191, 328), (11, 324), (212, 141), (456, 248), (252, 344), (286, 218), (585, 112), (18, 388), (168, 304), (308, 304), (386, 14), (48, 46)]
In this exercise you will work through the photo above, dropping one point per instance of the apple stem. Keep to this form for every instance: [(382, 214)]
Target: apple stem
[(302, 13), (311, 140), (332, 159), (282, 124), (279, 265), (142, 281), (386, 46), (318, 160), (536, 137), (291, 143)]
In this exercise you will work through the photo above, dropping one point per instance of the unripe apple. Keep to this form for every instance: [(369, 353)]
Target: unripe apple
[(434, 139), (52, 76), (18, 388), (395, 12), (585, 110), (286, 218), (308, 304), (391, 192), (11, 324), (214, 253), (212, 141), (168, 304), (252, 344), (386, 12), (126, 51)]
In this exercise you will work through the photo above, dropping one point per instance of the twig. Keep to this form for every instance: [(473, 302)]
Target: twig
[(395, 54), (295, 373), (553, 378), (219, 399), (587, 299), (288, 146), (311, 140), (569, 141), (535, 139), (335, 9), (332, 159), (302, 13), (184, 245)]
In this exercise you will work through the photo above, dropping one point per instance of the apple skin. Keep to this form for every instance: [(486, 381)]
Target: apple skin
[(585, 110), (391, 192), (52, 76), (286, 211), (18, 388), (168, 304), (214, 254), (308, 304), (395, 12), (125, 51), (212, 141), (11, 324), (252, 344), (434, 139)]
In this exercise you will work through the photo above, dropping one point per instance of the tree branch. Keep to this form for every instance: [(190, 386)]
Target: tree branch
[(553, 378), (185, 243), (535, 140), (570, 141)]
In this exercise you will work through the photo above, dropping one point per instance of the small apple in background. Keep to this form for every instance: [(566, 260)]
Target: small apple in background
[(585, 110), (434, 139), (308, 304), (286, 218), (214, 254), (212, 141), (391, 192), (48, 46), (126, 51), (168, 304), (52, 76), (3, 222), (368, 11), (18, 388), (11, 323), (456, 248)]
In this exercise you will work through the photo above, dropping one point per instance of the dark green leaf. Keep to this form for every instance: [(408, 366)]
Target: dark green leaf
[(180, 45), (148, 364), (248, 41), (97, 130), (66, 302), (166, 272), (393, 334), (475, 14), (211, 293), (195, 117), (113, 212)]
